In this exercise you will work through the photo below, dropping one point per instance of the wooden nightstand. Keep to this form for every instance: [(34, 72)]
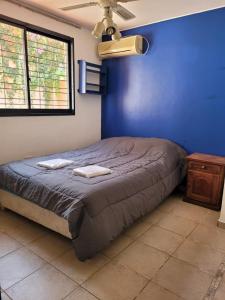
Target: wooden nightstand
[(205, 180)]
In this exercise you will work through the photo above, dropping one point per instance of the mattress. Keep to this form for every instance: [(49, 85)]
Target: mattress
[(144, 172)]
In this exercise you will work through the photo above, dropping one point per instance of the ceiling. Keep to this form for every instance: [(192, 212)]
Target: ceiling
[(146, 11)]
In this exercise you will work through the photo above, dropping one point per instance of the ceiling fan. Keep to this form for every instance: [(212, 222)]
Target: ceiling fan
[(107, 25)]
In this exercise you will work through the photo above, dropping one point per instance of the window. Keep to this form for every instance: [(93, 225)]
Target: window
[(36, 69)]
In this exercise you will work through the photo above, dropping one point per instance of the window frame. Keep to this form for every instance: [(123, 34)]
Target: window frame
[(7, 112)]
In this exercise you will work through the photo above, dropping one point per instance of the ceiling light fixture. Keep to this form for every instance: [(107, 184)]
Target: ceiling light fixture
[(107, 25), (98, 30)]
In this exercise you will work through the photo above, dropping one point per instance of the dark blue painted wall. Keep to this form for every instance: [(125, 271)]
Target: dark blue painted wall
[(177, 91)]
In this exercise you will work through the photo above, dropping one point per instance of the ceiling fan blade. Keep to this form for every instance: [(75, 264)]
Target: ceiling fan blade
[(123, 12), (77, 6)]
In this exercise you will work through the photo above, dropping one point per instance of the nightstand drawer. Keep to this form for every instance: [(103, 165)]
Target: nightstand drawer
[(204, 167)]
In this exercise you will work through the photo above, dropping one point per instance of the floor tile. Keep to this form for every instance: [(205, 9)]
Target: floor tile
[(137, 229), (190, 211), (183, 279), (117, 246), (45, 284), (214, 237), (177, 224), (143, 259), (77, 270), (10, 220), (211, 218), (155, 216), (17, 265), (29, 232), (139, 254), (220, 293), (7, 244), (200, 255), (50, 246), (162, 239), (80, 294), (20, 228), (115, 282), (169, 204), (155, 292)]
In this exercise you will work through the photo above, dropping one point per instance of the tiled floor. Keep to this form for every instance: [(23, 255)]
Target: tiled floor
[(174, 253)]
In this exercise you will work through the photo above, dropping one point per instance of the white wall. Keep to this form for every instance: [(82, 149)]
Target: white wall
[(22, 137), (221, 221)]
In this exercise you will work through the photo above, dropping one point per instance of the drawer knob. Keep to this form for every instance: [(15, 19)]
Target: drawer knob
[(203, 167)]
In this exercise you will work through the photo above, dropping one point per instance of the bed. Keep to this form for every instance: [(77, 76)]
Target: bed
[(94, 211)]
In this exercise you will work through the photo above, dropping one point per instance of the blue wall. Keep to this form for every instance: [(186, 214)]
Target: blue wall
[(177, 91)]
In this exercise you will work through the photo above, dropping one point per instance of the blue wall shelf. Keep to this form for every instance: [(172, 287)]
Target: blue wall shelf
[(86, 87)]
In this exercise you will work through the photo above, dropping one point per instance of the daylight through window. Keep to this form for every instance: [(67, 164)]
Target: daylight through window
[(35, 71)]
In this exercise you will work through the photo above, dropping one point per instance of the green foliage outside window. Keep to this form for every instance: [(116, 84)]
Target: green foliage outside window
[(47, 65)]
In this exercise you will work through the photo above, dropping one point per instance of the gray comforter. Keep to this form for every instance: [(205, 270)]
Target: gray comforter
[(145, 171)]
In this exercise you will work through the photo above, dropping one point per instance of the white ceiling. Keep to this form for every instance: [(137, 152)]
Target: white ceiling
[(146, 11)]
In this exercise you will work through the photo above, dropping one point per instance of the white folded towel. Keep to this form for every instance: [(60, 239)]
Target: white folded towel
[(54, 164), (91, 171)]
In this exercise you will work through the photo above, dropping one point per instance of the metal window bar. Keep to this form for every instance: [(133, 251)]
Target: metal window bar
[(20, 69), (39, 77), (20, 59), (56, 78), (10, 101), (33, 47), (46, 50), (50, 87), (48, 59), (47, 45), (49, 65), (13, 52), (13, 42)]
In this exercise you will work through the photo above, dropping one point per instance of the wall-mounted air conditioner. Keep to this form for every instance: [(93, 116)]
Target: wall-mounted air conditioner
[(132, 45)]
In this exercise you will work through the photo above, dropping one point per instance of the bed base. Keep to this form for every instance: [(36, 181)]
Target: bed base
[(34, 212)]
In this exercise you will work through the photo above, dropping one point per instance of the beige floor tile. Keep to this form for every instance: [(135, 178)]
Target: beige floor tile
[(77, 270), (137, 229), (50, 246), (211, 218), (162, 239), (45, 284), (169, 204), (155, 216), (117, 246), (80, 294), (155, 292), (10, 219), (29, 232), (220, 293), (214, 237), (17, 265), (20, 228), (115, 282), (7, 244), (190, 211), (183, 279), (177, 224), (200, 255), (143, 259)]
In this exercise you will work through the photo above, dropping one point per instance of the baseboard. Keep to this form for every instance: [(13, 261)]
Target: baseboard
[(221, 224)]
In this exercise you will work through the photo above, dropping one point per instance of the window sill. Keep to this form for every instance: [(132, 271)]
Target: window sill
[(35, 112)]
